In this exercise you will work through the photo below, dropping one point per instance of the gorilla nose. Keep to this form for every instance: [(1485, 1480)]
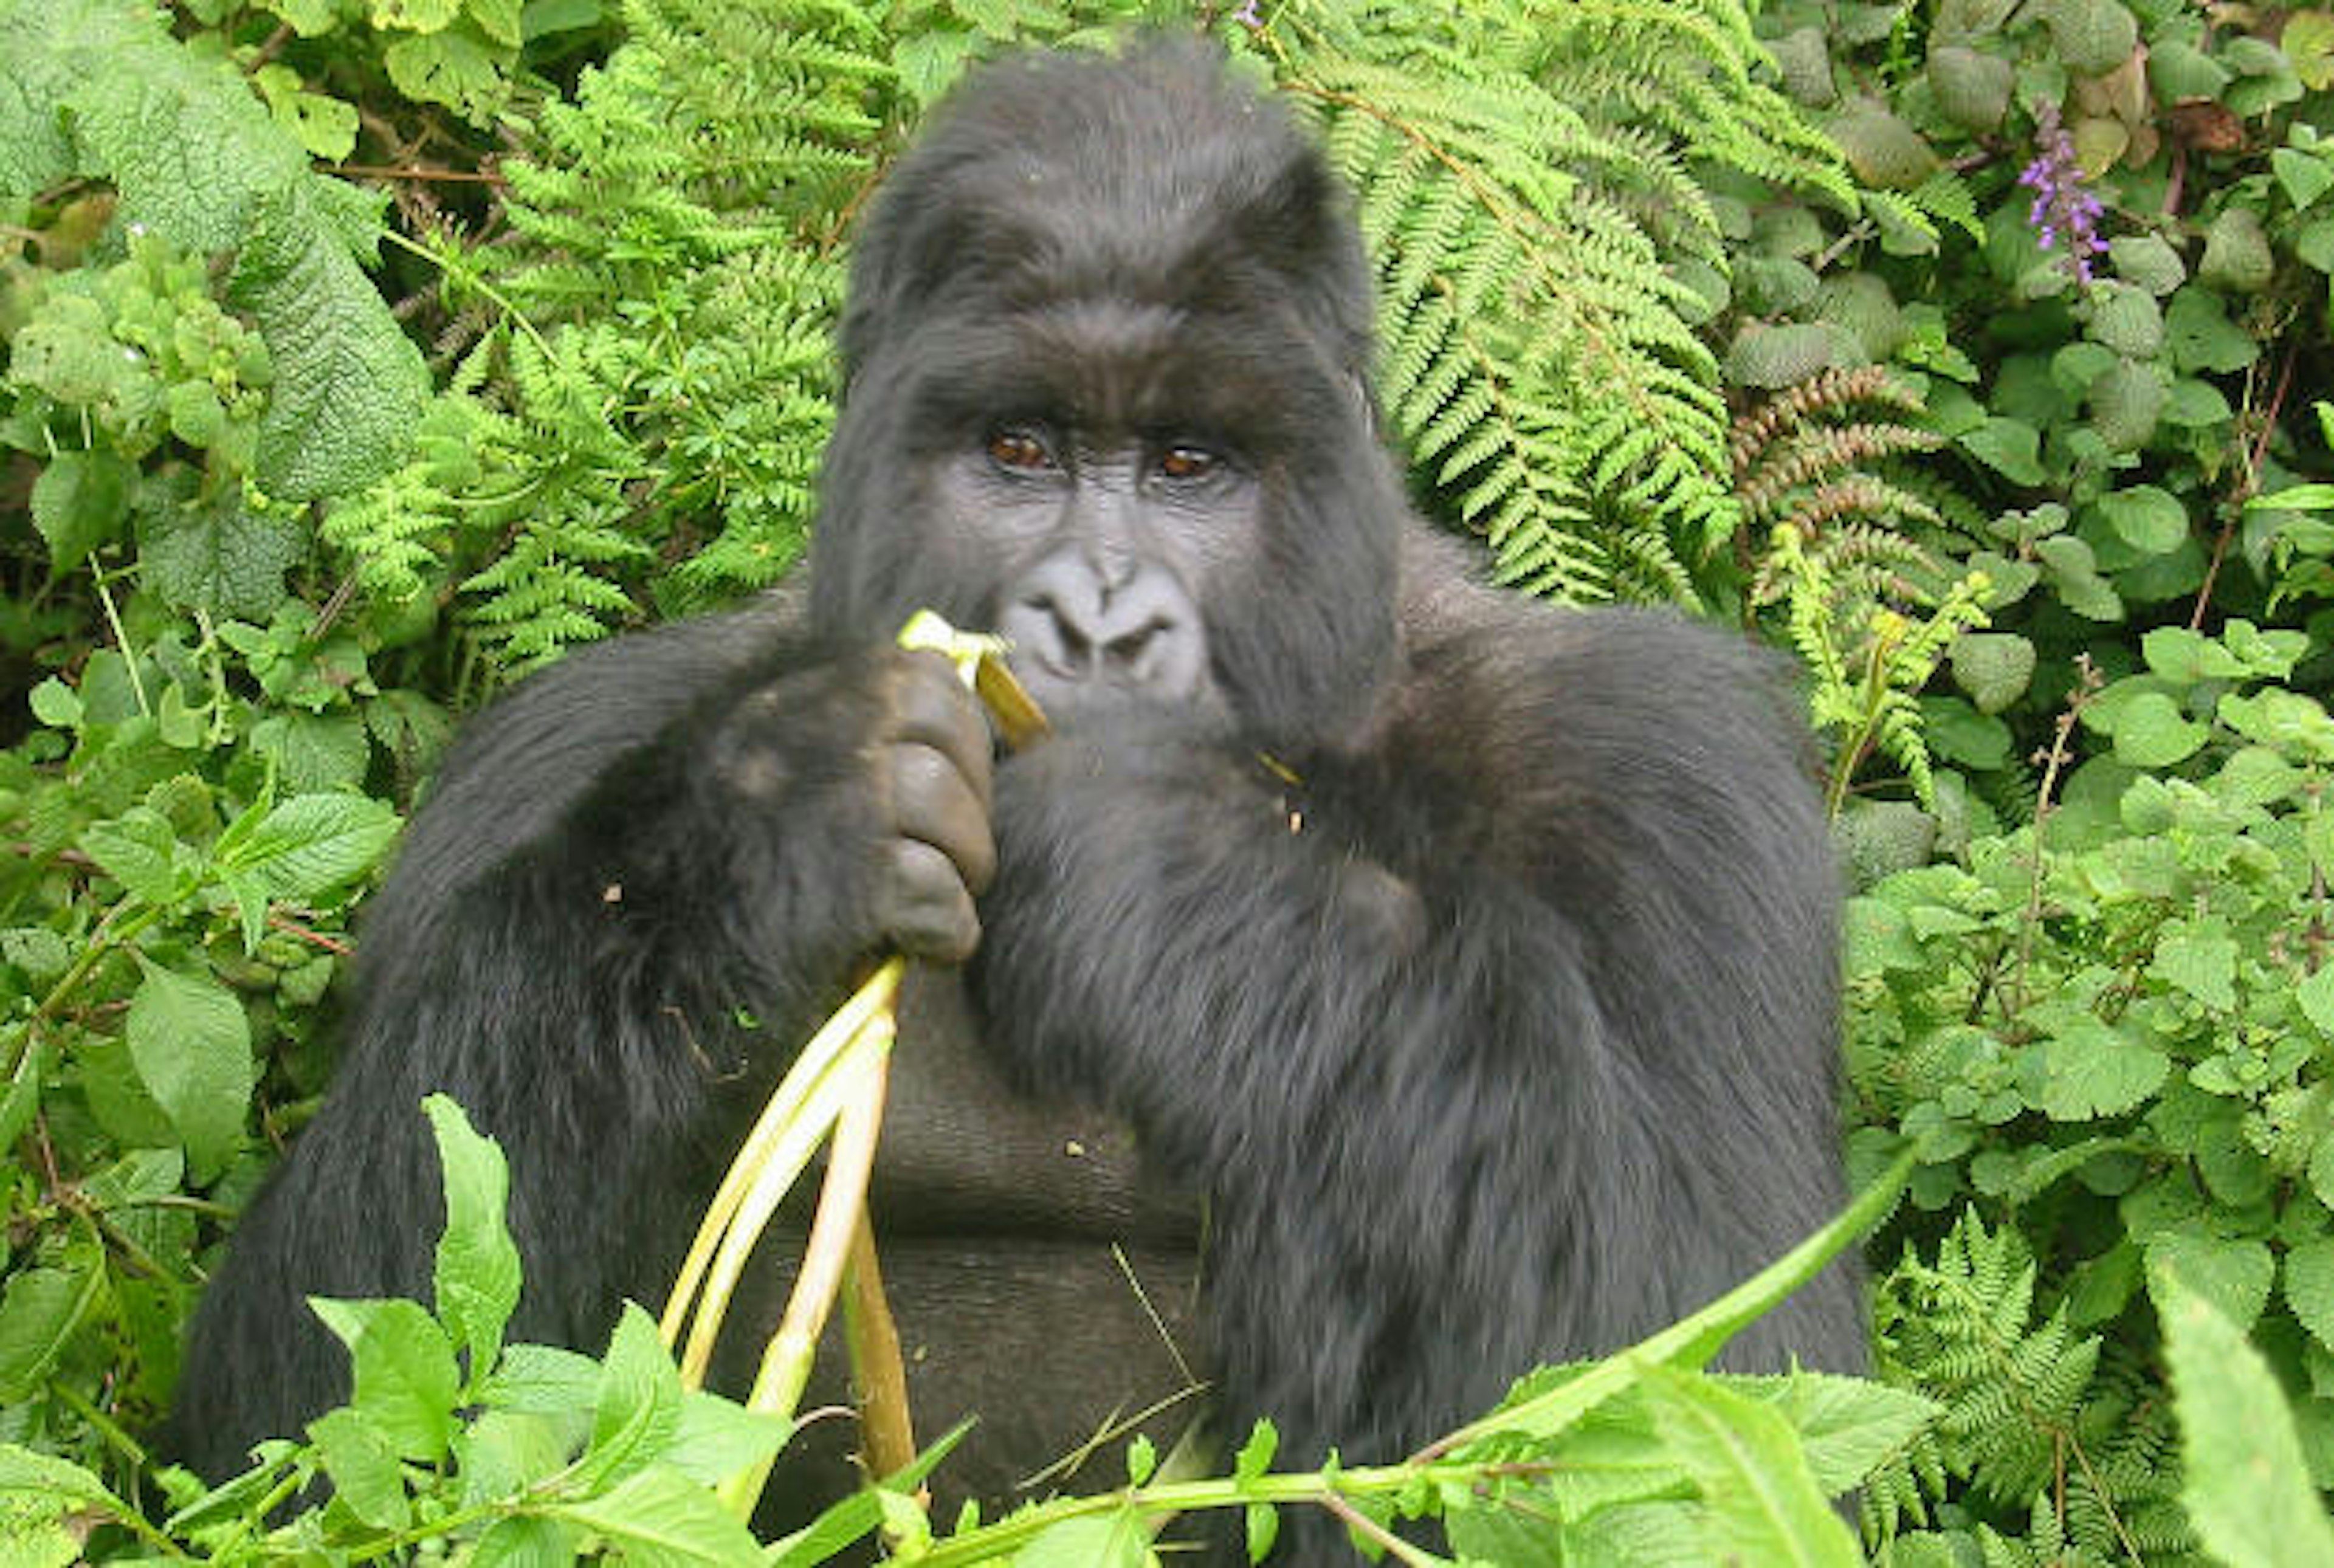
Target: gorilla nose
[(1077, 632)]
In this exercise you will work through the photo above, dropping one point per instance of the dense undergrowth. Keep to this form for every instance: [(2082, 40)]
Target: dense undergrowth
[(361, 354)]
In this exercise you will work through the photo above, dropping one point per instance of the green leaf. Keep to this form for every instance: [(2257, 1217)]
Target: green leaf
[(2199, 335), (1762, 1501), (523, 1543), (2315, 995), (2305, 176), (2233, 1275), (477, 1267), (2145, 259), (638, 1406), (349, 386), (40, 1311), (660, 1518), (141, 850), (1847, 1427), (1114, 1539), (406, 1381), (314, 844), (363, 1466), (2149, 519), (221, 558), (460, 68), (2310, 1287), (79, 502), (191, 1042), (2199, 957), (2011, 447), (2091, 1069), (716, 1438), (2179, 71), (2152, 732), (2246, 1484)]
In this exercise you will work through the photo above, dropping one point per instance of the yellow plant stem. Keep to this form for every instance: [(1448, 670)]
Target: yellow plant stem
[(860, 1078), (782, 1141)]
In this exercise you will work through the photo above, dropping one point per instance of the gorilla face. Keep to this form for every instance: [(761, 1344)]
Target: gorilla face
[(1107, 400)]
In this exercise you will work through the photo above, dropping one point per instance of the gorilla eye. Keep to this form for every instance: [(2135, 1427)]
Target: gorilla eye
[(1018, 449), (1188, 463)]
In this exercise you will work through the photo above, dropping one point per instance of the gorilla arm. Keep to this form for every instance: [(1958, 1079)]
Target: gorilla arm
[(620, 858), (1484, 1037)]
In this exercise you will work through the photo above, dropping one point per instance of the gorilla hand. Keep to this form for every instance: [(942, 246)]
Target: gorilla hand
[(891, 752)]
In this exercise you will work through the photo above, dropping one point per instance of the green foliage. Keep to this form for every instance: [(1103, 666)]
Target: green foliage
[(452, 1441), (1543, 252), (1644, 331)]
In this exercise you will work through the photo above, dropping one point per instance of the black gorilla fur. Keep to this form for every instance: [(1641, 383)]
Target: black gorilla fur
[(1471, 961)]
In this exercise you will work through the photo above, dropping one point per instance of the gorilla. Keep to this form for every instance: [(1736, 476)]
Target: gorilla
[(1378, 985)]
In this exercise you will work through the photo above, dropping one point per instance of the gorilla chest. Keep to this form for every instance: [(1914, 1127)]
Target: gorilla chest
[(1043, 1283)]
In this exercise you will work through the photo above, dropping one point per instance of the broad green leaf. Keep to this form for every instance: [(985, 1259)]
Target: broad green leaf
[(660, 1518), (2233, 1275), (716, 1438), (2315, 995), (222, 558), (2200, 336), (478, 1266), (348, 385), (1847, 1427), (2152, 732), (1115, 1540), (314, 844), (2200, 957), (191, 1042), (523, 1543), (39, 1312), (139, 851), (2246, 1485), (2310, 1287), (638, 1406), (1762, 1501), (406, 1381), (79, 502), (2305, 176), (2092, 1069), (2147, 518), (363, 1466), (2011, 447)]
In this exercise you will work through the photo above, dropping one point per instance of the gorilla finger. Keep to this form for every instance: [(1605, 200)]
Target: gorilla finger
[(935, 708), (933, 801), (929, 913)]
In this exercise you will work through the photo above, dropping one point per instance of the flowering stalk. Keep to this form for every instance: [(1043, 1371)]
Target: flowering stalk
[(2064, 208)]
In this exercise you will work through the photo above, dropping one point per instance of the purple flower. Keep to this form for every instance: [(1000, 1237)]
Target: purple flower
[(2063, 209), (1247, 17)]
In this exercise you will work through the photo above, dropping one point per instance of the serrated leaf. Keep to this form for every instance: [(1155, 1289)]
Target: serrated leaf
[(1972, 87), (1847, 1427), (2091, 1069), (192, 1043), (660, 1518), (2145, 259), (2246, 1484), (2199, 336), (2305, 176), (40, 1311), (403, 1372), (364, 1468), (2315, 995), (2310, 1287), (1993, 668), (314, 844), (1763, 1503), (220, 558), (348, 386), (2150, 520), (79, 502), (638, 1406), (2152, 732), (2092, 36), (141, 850), (2011, 447), (476, 1275), (2233, 1275)]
